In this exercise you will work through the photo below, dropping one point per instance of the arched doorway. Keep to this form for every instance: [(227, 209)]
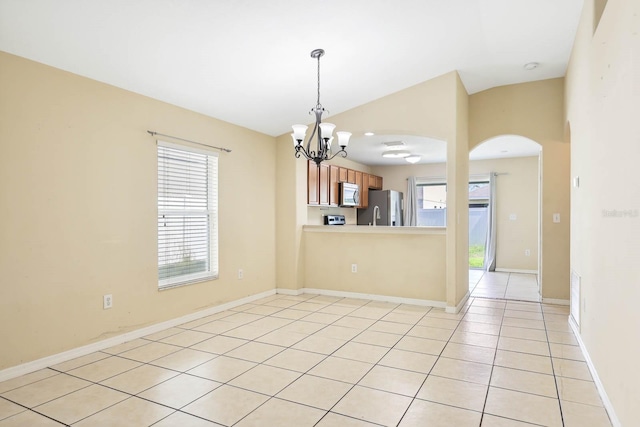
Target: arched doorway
[(504, 218)]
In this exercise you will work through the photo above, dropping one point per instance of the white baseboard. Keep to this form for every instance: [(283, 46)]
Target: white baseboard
[(374, 297), (555, 301), (615, 422), (35, 365), (457, 308), (515, 270), (284, 291)]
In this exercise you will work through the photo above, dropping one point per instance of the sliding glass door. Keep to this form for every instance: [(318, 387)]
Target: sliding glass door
[(478, 222)]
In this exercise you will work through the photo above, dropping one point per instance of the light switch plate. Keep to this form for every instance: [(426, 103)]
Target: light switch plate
[(513, 217), (556, 217)]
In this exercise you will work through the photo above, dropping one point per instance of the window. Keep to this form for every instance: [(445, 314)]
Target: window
[(432, 204), (187, 215)]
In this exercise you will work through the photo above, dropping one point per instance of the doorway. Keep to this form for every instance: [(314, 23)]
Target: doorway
[(504, 218)]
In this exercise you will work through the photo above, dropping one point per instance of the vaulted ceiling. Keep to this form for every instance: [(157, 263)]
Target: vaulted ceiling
[(247, 61)]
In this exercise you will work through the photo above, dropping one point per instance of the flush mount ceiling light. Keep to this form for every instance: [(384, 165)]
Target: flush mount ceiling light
[(323, 131), (396, 154), (531, 66), (369, 134), (414, 158)]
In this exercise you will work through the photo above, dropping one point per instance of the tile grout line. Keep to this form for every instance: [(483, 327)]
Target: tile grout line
[(493, 364), (553, 369)]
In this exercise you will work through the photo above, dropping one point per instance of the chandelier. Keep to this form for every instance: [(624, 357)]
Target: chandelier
[(322, 131)]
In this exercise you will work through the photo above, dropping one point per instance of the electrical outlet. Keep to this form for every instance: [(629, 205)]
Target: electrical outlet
[(527, 252), (240, 274), (354, 268), (107, 301)]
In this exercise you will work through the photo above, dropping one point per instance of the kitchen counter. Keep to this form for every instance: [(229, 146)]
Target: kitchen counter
[(369, 229)]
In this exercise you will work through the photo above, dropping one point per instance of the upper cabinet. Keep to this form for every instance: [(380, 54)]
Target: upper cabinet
[(335, 174), (323, 184), (351, 176), (318, 184), (313, 184), (364, 191), (375, 182)]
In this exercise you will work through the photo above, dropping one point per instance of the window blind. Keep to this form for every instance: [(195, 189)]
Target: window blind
[(187, 215)]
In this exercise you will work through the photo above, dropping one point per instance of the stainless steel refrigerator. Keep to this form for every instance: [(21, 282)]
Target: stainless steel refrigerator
[(389, 203)]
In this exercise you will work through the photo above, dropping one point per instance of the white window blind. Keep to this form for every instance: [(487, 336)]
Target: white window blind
[(187, 215)]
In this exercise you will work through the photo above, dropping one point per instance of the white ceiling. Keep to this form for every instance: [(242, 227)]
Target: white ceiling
[(368, 149), (247, 61), (505, 146)]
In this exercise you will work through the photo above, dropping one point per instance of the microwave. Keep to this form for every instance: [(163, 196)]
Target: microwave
[(349, 194)]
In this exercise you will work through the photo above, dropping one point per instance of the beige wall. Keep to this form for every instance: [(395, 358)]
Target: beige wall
[(78, 200), (602, 98), (517, 193), (395, 265), (535, 110)]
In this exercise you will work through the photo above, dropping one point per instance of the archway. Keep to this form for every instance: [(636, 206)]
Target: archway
[(505, 218)]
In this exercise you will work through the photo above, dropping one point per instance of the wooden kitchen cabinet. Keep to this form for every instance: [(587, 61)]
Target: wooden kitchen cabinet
[(375, 182), (313, 185), (317, 184), (323, 184), (334, 184), (364, 191), (342, 177), (351, 176)]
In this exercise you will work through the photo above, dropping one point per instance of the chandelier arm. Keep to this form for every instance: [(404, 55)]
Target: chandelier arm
[(309, 155), (342, 152), (313, 133)]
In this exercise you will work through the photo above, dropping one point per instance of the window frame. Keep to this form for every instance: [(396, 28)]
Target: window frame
[(211, 212), (433, 181)]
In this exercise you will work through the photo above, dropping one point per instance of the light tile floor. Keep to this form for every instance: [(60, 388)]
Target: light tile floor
[(511, 286), (321, 361)]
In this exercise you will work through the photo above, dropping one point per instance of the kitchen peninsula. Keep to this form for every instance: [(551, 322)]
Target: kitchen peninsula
[(399, 263)]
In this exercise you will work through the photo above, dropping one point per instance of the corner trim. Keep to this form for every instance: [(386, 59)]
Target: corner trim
[(457, 308), (615, 422), (35, 365), (555, 301)]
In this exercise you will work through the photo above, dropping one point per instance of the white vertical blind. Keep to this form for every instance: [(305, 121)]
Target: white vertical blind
[(187, 215)]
